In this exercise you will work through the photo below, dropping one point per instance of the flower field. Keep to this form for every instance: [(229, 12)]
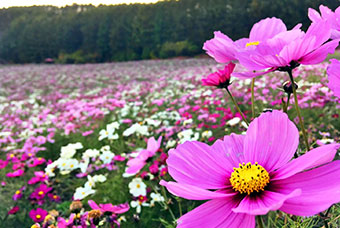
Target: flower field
[(248, 140), (101, 133)]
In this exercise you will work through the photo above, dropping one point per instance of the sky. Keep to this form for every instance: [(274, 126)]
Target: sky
[(9, 3)]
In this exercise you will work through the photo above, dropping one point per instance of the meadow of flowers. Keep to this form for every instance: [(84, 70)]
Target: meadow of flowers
[(145, 144)]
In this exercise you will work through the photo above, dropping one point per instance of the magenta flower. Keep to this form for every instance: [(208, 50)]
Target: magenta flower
[(38, 215), (40, 192), (16, 173), (115, 209), (253, 174), (39, 176), (18, 194), (223, 49), (62, 223), (327, 14), (221, 78), (137, 163), (13, 210), (333, 72), (288, 50)]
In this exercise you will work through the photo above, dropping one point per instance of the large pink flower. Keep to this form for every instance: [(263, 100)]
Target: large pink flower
[(223, 49), (333, 72), (253, 174), (287, 50), (327, 14)]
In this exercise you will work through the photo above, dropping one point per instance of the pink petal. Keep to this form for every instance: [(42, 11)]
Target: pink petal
[(251, 74), (216, 214), (153, 145), (263, 203), (297, 49), (221, 48), (333, 72), (232, 148), (192, 192), (319, 190), (320, 54), (266, 29), (195, 163), (93, 205), (321, 30), (313, 15), (271, 140), (311, 159)]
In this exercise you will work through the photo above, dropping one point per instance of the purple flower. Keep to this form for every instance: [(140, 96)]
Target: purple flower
[(333, 72), (18, 194), (253, 174)]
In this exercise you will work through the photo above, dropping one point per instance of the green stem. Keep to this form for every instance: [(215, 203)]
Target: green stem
[(179, 207), (237, 107), (298, 110), (166, 200), (259, 221), (252, 98)]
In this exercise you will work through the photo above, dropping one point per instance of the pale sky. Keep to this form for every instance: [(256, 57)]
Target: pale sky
[(9, 3)]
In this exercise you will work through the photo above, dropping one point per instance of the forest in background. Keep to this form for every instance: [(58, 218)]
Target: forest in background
[(84, 33)]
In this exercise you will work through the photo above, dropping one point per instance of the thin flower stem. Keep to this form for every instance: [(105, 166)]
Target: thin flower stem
[(180, 208), (237, 107), (259, 221), (298, 110), (252, 98), (167, 206)]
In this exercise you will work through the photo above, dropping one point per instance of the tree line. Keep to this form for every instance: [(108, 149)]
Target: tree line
[(84, 33)]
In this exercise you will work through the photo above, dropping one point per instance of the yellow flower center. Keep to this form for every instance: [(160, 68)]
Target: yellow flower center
[(17, 192), (40, 193), (138, 185), (253, 43), (38, 216), (249, 178)]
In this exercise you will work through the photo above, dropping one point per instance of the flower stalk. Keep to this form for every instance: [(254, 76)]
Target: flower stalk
[(252, 98), (237, 107), (304, 133)]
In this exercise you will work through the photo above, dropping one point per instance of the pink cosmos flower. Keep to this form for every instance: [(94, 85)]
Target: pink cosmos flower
[(221, 78), (18, 194), (40, 192), (38, 215), (116, 209), (137, 163), (223, 49), (327, 14), (39, 176), (333, 72), (16, 173), (13, 210), (253, 174), (288, 50)]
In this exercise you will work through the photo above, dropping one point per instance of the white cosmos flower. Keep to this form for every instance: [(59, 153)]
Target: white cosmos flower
[(106, 157), (171, 143), (99, 178), (206, 134), (105, 148), (187, 135), (137, 187), (91, 153), (82, 192), (109, 132), (136, 128), (67, 152), (90, 182), (83, 165), (138, 205), (156, 197), (233, 121)]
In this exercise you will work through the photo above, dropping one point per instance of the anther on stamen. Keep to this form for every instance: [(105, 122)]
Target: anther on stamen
[(249, 178)]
